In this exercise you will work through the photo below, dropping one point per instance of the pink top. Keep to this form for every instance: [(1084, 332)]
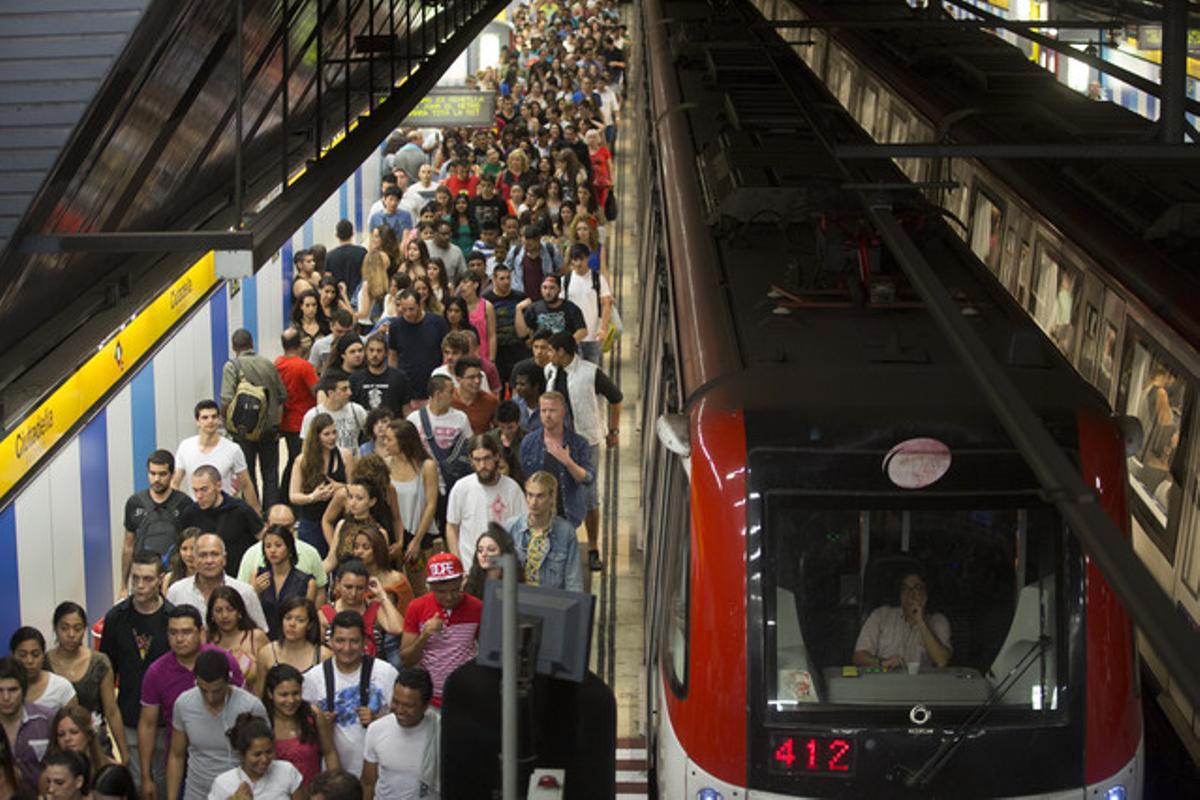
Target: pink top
[(304, 756), (478, 319)]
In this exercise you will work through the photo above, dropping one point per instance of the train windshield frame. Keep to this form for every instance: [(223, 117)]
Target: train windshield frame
[(995, 570)]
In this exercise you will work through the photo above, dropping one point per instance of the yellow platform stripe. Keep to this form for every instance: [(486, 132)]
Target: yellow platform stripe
[(24, 448)]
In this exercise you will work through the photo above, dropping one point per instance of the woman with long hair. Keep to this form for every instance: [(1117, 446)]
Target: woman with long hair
[(181, 563), (456, 314), (317, 476), (374, 287), (266, 777), (384, 239), (416, 254), (89, 671), (582, 232), (493, 543), (373, 469), (518, 173), (114, 782), (302, 737), (414, 479), (333, 296), (424, 289), (602, 174), (309, 319), (71, 730), (464, 229), (439, 281), (280, 578), (28, 646), (230, 628), (554, 199), (366, 503), (65, 775), (480, 313), (369, 547), (357, 591), (299, 645)]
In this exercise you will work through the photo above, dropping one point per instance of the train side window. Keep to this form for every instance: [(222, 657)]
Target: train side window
[(866, 112), (1053, 291), (677, 603), (987, 226), (1154, 389)]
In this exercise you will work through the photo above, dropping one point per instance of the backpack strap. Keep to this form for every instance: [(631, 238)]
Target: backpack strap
[(364, 681), (439, 454), (329, 699)]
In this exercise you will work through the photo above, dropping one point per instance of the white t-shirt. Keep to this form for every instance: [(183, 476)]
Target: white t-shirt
[(350, 420), (280, 781), (58, 693), (227, 457), (472, 506), (348, 732), (445, 370), (581, 293), (408, 758)]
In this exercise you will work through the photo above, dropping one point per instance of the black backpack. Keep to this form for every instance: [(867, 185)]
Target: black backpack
[(566, 281), (158, 528), (364, 683), (454, 461)]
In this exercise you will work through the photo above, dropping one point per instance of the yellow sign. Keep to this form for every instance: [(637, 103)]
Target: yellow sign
[(47, 424), (454, 107)]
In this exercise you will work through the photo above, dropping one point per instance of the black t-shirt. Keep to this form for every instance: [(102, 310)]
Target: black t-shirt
[(235, 522), (389, 388), (506, 314), (492, 210), (155, 526), (344, 262), (132, 641), (566, 317)]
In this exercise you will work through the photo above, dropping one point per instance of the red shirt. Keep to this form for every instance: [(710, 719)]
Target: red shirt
[(299, 377), (455, 185), (480, 412)]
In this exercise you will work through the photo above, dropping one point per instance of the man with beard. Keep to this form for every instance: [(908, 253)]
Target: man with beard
[(476, 500), (377, 384)]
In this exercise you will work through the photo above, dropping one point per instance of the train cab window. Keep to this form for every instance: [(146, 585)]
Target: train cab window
[(1054, 289), (856, 590), (987, 225), (1155, 391), (677, 598)]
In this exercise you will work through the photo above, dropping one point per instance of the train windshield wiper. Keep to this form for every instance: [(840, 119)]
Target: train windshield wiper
[(924, 774)]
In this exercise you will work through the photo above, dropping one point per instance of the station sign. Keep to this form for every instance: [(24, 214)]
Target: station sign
[(459, 108)]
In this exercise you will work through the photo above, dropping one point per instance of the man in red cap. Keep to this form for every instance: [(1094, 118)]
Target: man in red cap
[(441, 628)]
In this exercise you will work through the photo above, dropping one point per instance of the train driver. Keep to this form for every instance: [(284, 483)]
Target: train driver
[(895, 636)]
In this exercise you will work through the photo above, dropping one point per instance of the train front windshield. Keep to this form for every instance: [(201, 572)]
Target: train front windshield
[(883, 605)]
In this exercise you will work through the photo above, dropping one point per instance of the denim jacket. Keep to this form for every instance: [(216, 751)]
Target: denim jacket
[(560, 568), (574, 495)]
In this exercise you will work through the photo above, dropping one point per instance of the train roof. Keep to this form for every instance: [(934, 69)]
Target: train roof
[(785, 232)]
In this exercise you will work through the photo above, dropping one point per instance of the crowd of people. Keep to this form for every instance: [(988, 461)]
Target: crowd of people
[(287, 620)]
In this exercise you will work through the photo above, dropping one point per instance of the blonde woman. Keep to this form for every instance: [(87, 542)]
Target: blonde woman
[(374, 289)]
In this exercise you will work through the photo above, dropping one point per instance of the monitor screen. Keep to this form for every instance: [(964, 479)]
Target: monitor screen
[(566, 628)]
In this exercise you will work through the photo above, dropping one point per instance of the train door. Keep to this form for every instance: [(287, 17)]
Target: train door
[(987, 228), (1091, 329), (1110, 340)]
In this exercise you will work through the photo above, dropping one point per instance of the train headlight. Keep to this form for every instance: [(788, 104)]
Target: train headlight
[(713, 794), (1115, 793)]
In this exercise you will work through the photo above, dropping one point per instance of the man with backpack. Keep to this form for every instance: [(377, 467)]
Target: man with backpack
[(252, 398), (444, 431), (351, 689), (153, 516)]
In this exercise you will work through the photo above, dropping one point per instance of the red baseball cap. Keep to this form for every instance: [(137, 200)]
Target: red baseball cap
[(443, 567)]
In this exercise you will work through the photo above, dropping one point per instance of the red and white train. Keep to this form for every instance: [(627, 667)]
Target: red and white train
[(816, 441)]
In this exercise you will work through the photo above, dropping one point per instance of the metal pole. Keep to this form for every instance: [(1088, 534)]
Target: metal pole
[(1171, 637), (283, 95), (320, 79), (508, 677), (1174, 69), (237, 125)]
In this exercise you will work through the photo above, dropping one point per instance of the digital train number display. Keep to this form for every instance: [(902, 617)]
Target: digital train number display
[(826, 756)]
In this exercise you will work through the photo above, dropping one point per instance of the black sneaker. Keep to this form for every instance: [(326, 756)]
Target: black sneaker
[(594, 562)]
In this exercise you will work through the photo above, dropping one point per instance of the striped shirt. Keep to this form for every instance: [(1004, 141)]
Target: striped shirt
[(452, 646)]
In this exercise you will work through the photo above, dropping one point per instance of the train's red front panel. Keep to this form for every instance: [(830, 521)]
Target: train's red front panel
[(1114, 717), (711, 720)]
